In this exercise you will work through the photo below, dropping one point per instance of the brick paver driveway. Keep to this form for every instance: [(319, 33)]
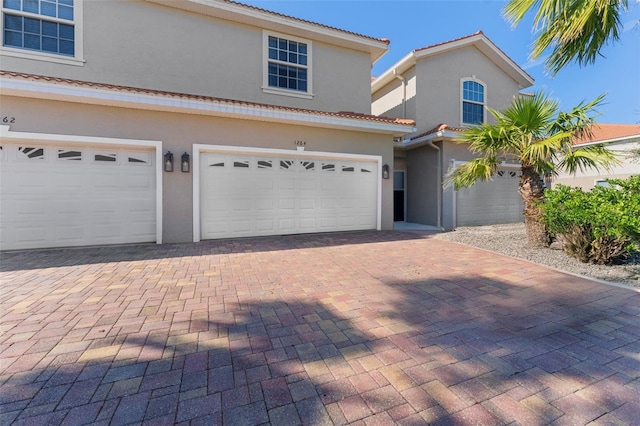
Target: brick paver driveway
[(367, 327)]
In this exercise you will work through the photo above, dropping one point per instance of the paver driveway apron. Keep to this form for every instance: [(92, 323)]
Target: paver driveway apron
[(362, 327)]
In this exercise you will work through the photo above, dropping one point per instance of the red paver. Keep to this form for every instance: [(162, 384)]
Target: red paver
[(362, 327)]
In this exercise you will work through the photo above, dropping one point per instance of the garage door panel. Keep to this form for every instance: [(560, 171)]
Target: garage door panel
[(70, 233), (287, 225), (288, 195), (491, 202), (308, 204), (265, 205), (242, 226), (288, 204), (31, 234), (308, 224), (74, 196), (265, 225)]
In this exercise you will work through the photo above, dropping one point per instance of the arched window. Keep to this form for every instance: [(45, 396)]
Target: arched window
[(473, 101)]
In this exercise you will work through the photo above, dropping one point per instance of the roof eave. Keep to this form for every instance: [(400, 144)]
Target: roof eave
[(276, 22), (480, 41), (399, 67), (628, 138), (219, 108), (408, 143)]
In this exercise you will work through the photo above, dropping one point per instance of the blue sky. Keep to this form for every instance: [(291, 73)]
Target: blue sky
[(414, 24)]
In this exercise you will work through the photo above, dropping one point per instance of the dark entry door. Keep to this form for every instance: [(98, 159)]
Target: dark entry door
[(398, 196)]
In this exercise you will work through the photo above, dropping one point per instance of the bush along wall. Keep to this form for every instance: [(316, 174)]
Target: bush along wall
[(600, 226)]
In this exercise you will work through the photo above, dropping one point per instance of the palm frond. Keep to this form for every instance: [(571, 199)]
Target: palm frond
[(532, 115), (542, 150), (576, 30), (595, 157), (467, 174), (580, 119), (487, 139)]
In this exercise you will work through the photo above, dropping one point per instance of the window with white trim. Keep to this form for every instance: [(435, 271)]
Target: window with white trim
[(44, 28), (473, 101), (287, 67)]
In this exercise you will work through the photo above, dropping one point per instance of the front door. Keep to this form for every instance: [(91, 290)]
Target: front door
[(398, 196)]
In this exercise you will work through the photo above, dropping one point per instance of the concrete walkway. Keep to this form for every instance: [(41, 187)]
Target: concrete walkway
[(364, 328)]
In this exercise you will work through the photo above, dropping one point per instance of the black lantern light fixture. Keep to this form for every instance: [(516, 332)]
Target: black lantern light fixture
[(385, 171), (168, 162), (184, 163)]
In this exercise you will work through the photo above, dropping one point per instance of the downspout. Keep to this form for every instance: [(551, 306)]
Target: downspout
[(439, 172), (404, 92)]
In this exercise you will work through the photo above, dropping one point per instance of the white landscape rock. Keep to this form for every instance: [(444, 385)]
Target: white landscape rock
[(511, 240)]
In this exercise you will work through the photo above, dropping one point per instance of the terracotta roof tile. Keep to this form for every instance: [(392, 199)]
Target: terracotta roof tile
[(449, 41), (439, 128), (607, 132), (259, 9), (342, 114)]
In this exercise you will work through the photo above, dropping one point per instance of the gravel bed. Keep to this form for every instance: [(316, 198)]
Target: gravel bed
[(511, 240)]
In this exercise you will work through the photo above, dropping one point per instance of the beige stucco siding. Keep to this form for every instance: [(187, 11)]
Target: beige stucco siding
[(422, 186), (629, 166), (178, 132), (388, 100), (439, 84), (145, 45)]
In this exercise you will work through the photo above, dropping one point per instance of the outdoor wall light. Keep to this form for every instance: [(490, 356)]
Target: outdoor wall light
[(168, 162), (184, 163), (385, 171)]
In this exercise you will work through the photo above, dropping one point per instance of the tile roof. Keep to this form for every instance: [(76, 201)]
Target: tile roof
[(259, 9), (450, 41), (79, 83), (608, 132), (439, 128)]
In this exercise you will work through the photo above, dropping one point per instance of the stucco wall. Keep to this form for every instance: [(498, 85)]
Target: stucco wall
[(387, 101), (178, 133), (145, 45), (422, 186), (439, 86)]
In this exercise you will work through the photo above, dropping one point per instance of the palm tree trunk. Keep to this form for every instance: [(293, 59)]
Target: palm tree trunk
[(532, 192)]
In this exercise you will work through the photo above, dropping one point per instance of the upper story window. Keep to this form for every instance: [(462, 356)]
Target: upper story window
[(287, 66), (44, 28), (473, 101)]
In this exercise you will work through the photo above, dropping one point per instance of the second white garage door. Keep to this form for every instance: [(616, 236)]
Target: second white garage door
[(252, 195), (491, 202)]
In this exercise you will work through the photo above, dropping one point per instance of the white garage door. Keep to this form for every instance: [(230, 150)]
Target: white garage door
[(491, 202), (250, 195), (61, 196)]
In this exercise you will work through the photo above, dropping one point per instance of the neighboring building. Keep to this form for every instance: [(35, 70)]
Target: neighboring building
[(624, 140), (94, 94), (444, 88)]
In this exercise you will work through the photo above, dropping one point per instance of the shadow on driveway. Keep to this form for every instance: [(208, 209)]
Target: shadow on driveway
[(404, 330)]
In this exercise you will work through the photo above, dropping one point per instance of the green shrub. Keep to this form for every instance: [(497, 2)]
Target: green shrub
[(600, 226)]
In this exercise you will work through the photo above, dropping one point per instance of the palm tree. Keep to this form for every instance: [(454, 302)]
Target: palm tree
[(577, 29), (533, 132)]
